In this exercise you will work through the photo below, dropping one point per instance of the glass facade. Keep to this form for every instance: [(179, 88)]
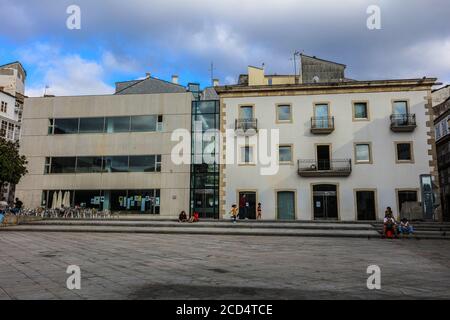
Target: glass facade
[(99, 164), (134, 201), (144, 123), (205, 173)]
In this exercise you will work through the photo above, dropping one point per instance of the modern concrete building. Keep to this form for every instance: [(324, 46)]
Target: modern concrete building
[(12, 86), (347, 149), (110, 152)]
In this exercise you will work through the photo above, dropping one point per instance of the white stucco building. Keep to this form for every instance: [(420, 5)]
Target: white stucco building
[(346, 150)]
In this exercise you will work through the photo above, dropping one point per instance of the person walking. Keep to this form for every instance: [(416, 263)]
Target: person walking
[(234, 212)]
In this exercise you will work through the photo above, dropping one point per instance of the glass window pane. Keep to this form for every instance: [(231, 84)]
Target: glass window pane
[(246, 112), (88, 198), (116, 164), (117, 124), (361, 110), (362, 153), (89, 164), (285, 154), (142, 164), (284, 113), (63, 165), (91, 125), (143, 123), (404, 151), (400, 107), (66, 126)]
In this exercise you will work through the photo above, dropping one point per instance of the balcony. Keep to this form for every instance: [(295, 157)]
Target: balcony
[(325, 168), (246, 126), (403, 122), (322, 125)]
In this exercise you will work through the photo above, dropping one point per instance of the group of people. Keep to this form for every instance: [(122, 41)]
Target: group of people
[(192, 219), (391, 226), (242, 212), (14, 208)]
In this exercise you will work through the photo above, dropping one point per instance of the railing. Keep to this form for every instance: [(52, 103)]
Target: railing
[(322, 123), (403, 120), (246, 124), (337, 167)]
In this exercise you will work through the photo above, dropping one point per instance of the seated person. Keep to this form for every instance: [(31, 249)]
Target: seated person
[(194, 218), (389, 222), (405, 227), (182, 217)]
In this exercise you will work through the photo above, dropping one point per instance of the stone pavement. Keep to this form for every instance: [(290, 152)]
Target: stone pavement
[(161, 266)]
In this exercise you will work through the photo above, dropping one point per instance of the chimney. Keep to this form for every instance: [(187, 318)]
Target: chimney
[(148, 75), (175, 79), (215, 82)]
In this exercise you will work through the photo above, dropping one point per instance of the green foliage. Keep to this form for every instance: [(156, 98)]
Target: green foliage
[(12, 164)]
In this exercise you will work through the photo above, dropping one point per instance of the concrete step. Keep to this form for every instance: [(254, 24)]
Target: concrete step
[(216, 224), (230, 229)]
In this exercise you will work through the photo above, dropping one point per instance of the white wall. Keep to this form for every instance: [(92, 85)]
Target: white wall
[(384, 174)]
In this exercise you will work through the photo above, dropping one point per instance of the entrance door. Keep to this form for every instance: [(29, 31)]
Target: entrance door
[(204, 203), (286, 205), (325, 202), (365, 205), (247, 199), (406, 196), (323, 157)]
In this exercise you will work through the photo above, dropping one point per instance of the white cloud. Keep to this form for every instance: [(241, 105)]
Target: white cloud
[(66, 74)]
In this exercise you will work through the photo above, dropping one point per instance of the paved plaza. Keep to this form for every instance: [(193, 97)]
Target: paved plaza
[(163, 266)]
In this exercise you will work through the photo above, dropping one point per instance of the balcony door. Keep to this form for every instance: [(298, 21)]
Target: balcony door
[(321, 113), (400, 111), (323, 157), (246, 113)]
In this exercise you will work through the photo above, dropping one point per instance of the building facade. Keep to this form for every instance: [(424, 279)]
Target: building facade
[(109, 152), (346, 149), (12, 86), (442, 128)]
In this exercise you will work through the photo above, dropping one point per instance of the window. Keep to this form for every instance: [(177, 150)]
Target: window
[(360, 111), (404, 152), (51, 126), (116, 164), (285, 153), (117, 124), (89, 164), (66, 126), (92, 125), (405, 196), (284, 113), (246, 112), (246, 155), (160, 124), (63, 165), (47, 168), (144, 164), (400, 107), (10, 133), (143, 123), (4, 107), (363, 153)]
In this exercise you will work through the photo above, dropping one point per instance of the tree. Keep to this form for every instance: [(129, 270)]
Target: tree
[(12, 164)]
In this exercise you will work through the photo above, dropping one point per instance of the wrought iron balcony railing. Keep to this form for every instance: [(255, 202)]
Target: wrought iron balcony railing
[(325, 168), (322, 125), (246, 125), (403, 122)]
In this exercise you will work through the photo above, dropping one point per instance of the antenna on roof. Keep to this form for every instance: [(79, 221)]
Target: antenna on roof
[(45, 90), (295, 56)]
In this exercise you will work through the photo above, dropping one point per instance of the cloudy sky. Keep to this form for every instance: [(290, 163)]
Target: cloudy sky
[(122, 40)]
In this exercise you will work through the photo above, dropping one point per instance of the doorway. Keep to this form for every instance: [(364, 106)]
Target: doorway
[(325, 202), (323, 157), (204, 203), (247, 205), (366, 205), (286, 205)]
